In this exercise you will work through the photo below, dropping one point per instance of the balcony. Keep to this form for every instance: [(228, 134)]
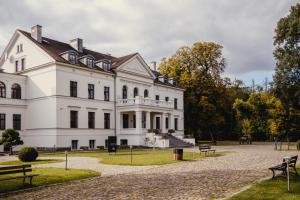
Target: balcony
[(141, 101)]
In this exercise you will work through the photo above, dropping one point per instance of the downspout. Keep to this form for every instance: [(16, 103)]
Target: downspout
[(115, 103)]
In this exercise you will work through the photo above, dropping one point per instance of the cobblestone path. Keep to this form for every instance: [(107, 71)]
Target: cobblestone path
[(205, 179)]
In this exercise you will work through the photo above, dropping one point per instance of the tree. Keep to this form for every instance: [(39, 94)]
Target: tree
[(247, 128), (10, 138), (262, 112), (208, 97), (286, 85)]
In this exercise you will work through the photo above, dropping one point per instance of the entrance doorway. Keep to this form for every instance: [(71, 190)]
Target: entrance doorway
[(157, 122)]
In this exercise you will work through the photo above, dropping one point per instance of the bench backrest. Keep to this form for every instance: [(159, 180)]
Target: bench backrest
[(292, 161), (15, 169), (204, 146)]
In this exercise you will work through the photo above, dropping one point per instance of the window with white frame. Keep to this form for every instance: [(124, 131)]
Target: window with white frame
[(72, 58), (89, 62)]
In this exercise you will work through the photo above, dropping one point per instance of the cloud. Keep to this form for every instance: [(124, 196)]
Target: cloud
[(156, 28)]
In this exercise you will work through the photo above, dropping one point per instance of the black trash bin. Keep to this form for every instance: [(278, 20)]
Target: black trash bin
[(178, 154)]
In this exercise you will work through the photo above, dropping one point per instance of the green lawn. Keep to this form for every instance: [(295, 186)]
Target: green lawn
[(37, 162), (140, 157), (272, 189), (46, 176)]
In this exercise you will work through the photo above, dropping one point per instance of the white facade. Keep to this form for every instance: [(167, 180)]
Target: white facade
[(46, 102)]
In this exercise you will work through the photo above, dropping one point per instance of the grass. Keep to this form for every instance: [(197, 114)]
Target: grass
[(37, 162), (272, 189), (46, 176), (140, 157)]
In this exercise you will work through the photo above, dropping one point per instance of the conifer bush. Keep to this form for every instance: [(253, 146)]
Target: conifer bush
[(28, 154)]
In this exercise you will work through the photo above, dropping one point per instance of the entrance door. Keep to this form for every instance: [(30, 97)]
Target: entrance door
[(157, 120), (74, 144), (125, 121)]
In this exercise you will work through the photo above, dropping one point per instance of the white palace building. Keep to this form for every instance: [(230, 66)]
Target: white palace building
[(63, 95)]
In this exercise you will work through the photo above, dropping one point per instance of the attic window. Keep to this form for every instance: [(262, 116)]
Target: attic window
[(89, 62), (19, 48), (72, 58), (104, 64)]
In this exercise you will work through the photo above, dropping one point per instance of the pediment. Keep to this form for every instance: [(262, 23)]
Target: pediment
[(136, 65)]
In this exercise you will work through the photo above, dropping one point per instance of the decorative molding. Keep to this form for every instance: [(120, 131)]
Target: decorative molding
[(89, 108), (76, 107), (135, 82)]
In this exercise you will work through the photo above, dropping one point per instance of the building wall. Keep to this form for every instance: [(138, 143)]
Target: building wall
[(46, 103), (33, 55)]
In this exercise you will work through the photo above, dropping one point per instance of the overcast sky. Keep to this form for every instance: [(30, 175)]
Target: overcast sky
[(157, 28)]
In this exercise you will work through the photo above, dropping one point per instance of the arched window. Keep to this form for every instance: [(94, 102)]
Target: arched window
[(135, 92), (124, 92), (16, 91), (146, 94), (2, 90)]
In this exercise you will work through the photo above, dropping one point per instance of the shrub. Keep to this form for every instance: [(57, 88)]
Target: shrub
[(298, 145), (28, 154)]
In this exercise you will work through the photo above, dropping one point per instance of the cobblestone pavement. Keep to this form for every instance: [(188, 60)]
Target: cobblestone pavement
[(87, 163), (213, 177)]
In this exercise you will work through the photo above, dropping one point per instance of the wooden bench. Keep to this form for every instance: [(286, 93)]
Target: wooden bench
[(17, 169), (283, 166), (206, 148)]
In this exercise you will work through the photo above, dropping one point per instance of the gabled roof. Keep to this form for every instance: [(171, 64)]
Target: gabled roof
[(55, 48), (116, 62)]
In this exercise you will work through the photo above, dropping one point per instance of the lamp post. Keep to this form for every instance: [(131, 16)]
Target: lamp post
[(287, 160), (66, 153), (131, 154)]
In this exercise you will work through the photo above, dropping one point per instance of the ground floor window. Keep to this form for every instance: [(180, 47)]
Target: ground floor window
[(144, 121), (91, 119), (73, 119), (2, 121), (123, 142), (167, 122), (16, 121), (92, 144), (176, 123), (74, 144), (106, 120), (125, 121), (157, 121), (134, 121), (106, 143)]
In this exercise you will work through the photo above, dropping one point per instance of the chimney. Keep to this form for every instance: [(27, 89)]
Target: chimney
[(77, 44), (153, 65), (36, 33)]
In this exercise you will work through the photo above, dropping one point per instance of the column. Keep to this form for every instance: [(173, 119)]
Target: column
[(138, 123), (163, 125), (171, 121), (162, 122), (154, 121), (148, 120)]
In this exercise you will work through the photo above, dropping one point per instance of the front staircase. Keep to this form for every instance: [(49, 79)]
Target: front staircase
[(175, 142)]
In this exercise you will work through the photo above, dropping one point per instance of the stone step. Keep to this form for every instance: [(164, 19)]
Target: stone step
[(175, 142)]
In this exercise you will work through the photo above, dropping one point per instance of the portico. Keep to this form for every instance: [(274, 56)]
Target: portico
[(137, 117)]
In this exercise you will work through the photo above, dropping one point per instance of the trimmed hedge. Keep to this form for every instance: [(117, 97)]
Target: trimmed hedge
[(28, 154)]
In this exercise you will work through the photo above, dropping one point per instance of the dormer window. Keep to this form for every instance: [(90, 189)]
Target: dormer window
[(89, 62), (104, 64), (72, 58)]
